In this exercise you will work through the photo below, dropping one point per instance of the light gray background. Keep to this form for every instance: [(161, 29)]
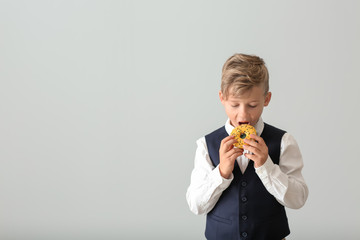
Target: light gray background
[(101, 103)]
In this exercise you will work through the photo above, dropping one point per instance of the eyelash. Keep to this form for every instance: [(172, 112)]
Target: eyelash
[(251, 106)]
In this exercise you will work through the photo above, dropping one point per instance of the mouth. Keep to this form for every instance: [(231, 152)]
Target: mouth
[(241, 123)]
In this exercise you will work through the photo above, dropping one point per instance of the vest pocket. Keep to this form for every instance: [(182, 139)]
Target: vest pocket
[(220, 219), (219, 228)]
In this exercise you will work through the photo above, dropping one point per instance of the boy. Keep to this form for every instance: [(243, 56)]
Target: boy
[(243, 192)]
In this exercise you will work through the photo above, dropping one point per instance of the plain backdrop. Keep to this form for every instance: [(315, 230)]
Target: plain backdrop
[(101, 103)]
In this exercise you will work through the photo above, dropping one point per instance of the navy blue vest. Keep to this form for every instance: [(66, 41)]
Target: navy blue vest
[(246, 210)]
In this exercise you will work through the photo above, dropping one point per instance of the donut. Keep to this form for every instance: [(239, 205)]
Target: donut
[(242, 132)]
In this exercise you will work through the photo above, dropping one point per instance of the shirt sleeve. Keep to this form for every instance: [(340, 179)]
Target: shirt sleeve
[(285, 181), (206, 185)]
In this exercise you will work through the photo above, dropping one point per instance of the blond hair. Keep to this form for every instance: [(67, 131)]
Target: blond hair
[(241, 72)]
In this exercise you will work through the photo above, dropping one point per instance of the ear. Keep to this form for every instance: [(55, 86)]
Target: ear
[(267, 99), (221, 96)]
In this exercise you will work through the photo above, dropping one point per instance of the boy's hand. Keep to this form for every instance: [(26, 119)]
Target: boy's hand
[(258, 147), (228, 153)]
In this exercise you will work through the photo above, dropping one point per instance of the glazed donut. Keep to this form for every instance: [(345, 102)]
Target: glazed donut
[(242, 132)]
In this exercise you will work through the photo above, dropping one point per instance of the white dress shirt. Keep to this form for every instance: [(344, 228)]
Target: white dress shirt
[(284, 181)]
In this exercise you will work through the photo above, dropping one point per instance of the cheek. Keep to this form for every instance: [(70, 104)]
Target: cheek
[(257, 112), (231, 112)]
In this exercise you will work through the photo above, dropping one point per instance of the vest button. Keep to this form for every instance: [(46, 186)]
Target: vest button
[(244, 217), (244, 199), (243, 184), (244, 234)]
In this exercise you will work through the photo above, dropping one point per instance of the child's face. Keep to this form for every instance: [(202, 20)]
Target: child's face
[(246, 108)]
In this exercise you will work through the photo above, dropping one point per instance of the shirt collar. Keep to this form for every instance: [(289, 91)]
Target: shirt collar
[(259, 126)]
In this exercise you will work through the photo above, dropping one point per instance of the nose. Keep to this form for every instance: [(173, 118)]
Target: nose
[(243, 115)]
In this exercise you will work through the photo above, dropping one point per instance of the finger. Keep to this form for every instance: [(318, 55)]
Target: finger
[(257, 138), (225, 140), (231, 155), (251, 142), (229, 138), (254, 150), (255, 141), (250, 148), (251, 156), (234, 151), (223, 146), (237, 154), (228, 144)]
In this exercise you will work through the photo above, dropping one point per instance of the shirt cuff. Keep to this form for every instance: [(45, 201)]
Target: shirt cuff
[(264, 170), (219, 181)]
